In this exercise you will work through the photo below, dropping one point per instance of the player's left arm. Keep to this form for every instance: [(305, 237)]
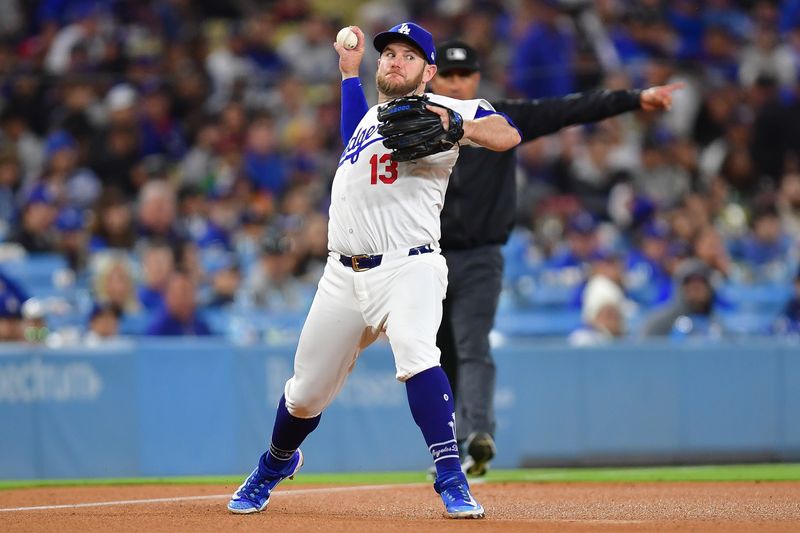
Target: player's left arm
[(494, 131), (488, 129)]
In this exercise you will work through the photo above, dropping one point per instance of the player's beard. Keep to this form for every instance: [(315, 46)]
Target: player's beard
[(395, 90)]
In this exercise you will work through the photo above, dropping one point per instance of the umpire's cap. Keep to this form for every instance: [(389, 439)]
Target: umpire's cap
[(411, 33), (456, 55)]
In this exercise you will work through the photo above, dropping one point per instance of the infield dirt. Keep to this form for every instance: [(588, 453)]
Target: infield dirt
[(694, 506)]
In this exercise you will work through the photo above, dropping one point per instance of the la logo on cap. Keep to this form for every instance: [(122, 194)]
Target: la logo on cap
[(404, 29), (456, 54)]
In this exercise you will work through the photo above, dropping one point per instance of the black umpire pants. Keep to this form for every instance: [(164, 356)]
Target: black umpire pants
[(475, 279)]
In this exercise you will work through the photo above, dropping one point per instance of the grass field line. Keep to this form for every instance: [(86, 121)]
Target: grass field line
[(293, 492)]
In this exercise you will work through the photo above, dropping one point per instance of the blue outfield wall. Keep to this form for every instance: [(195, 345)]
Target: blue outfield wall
[(189, 407)]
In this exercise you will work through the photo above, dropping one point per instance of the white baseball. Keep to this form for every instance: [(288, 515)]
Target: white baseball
[(347, 38)]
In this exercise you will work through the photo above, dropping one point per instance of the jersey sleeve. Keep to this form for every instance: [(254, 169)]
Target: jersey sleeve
[(480, 108), (469, 110), (485, 113), (354, 107)]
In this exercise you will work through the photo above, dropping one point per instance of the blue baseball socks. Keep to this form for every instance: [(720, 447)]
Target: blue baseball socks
[(287, 435), (433, 409)]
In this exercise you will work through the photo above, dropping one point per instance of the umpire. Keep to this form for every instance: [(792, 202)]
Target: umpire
[(477, 218)]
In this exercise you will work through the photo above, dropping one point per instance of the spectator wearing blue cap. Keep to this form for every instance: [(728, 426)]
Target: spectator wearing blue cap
[(648, 264), (580, 248), (72, 237), (179, 315), (36, 232), (225, 281), (71, 183)]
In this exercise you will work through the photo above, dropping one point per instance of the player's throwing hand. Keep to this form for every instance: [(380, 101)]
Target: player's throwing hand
[(350, 58)]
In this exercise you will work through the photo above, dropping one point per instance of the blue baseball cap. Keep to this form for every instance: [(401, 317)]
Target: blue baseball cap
[(656, 229), (99, 308), (410, 33), (70, 219), (582, 222), (40, 195), (59, 140), (10, 306)]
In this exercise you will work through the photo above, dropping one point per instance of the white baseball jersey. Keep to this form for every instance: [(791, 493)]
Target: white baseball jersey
[(379, 205)]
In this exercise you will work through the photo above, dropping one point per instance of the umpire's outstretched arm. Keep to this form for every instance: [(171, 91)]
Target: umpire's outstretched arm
[(536, 118)]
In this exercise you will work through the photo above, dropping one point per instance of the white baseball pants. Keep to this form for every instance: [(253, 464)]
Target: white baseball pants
[(402, 296)]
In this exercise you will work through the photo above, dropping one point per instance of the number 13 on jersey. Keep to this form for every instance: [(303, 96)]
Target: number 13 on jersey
[(383, 168)]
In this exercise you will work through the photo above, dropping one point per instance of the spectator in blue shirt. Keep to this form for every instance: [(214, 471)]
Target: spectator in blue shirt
[(765, 249), (158, 263), (568, 266), (264, 165), (12, 296), (159, 131), (690, 25), (71, 237), (544, 59), (789, 321), (35, 231), (179, 316), (647, 276)]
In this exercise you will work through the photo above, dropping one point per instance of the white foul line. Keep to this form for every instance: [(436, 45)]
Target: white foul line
[(207, 497)]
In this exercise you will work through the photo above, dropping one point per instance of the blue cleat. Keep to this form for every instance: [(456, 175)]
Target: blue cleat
[(457, 498), (253, 495)]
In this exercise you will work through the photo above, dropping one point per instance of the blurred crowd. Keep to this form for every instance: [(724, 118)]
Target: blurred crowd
[(165, 165)]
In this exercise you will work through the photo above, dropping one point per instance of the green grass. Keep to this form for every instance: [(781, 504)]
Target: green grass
[(755, 472)]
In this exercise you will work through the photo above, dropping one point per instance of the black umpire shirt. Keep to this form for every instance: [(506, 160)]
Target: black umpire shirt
[(480, 202)]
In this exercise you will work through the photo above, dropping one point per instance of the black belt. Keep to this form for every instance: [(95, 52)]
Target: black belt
[(360, 263)]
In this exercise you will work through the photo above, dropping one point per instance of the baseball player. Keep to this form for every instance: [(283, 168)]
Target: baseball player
[(384, 271), (476, 221)]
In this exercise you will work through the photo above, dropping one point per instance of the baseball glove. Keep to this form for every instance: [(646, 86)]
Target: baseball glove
[(412, 131)]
